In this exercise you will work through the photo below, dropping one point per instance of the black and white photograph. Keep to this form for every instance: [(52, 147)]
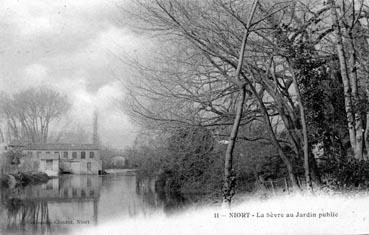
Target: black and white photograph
[(176, 117)]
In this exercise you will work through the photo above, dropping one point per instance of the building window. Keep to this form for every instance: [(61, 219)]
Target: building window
[(57, 154), (88, 182), (92, 154), (65, 154), (83, 155), (88, 166), (83, 193), (74, 155), (35, 165), (49, 164), (74, 192), (65, 193), (38, 154), (49, 186)]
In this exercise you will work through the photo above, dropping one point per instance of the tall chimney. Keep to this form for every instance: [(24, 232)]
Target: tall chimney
[(95, 137)]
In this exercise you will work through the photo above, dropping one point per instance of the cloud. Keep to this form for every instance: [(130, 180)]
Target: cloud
[(32, 75), (36, 25), (119, 40), (28, 17), (114, 128), (36, 73), (73, 46)]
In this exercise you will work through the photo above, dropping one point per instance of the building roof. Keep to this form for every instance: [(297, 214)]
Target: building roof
[(60, 146)]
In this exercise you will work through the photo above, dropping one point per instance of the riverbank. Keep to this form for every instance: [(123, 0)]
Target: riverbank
[(23, 179), (120, 171)]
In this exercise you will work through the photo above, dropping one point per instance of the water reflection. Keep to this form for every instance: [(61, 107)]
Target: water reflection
[(70, 202), (55, 205)]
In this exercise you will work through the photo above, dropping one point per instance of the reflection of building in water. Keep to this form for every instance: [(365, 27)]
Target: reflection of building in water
[(87, 198), (65, 188), (68, 198), (78, 199), (80, 187)]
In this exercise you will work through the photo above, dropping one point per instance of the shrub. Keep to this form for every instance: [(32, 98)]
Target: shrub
[(346, 174)]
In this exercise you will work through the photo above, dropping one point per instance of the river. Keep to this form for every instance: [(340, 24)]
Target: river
[(66, 204)]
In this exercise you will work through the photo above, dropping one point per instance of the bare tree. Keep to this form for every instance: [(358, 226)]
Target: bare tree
[(217, 43), (30, 112)]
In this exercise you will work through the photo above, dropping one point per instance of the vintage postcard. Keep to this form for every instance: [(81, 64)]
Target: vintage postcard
[(184, 117)]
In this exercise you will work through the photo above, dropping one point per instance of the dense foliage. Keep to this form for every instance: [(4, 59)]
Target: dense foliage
[(190, 162)]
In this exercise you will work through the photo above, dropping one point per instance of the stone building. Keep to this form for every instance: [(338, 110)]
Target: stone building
[(54, 159)]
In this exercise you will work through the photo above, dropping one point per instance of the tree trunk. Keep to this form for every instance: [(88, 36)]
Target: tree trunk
[(304, 130), (344, 75), (358, 153), (275, 141), (229, 177), (366, 139), (366, 133)]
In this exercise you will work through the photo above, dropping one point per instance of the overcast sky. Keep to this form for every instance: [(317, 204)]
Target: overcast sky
[(71, 45)]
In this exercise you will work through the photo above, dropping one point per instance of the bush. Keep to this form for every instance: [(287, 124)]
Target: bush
[(346, 174), (23, 179), (188, 162)]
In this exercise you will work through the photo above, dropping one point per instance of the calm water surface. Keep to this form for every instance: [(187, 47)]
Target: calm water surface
[(71, 202)]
